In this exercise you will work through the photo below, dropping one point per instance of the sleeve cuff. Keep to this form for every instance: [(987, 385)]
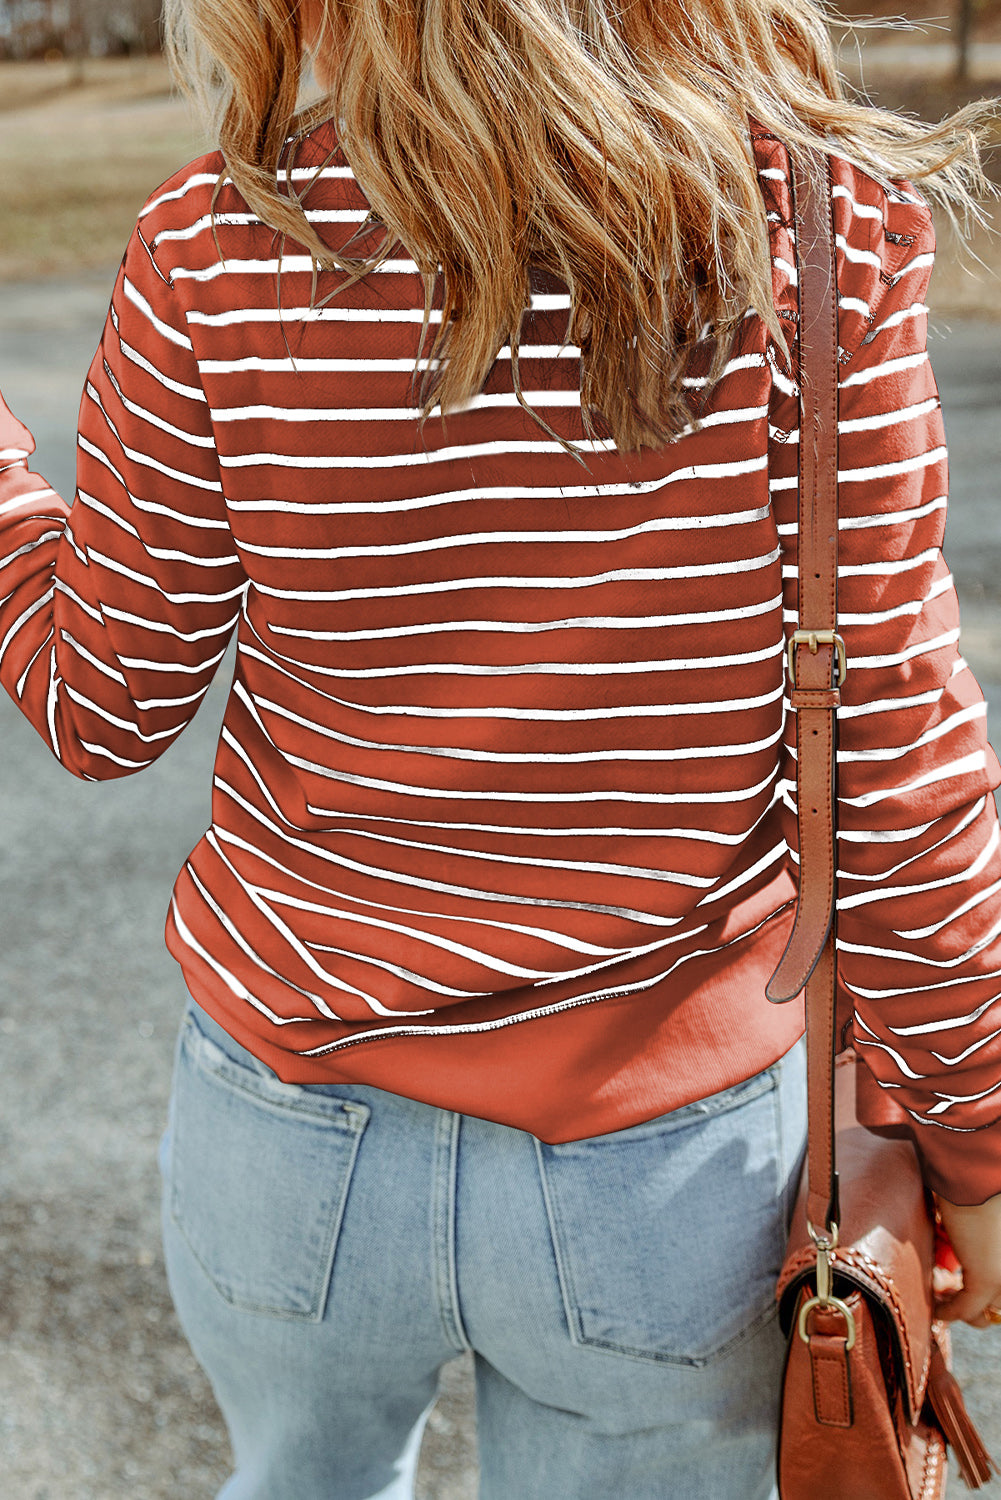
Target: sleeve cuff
[(964, 1167)]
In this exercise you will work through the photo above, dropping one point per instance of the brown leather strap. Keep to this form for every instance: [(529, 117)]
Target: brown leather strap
[(810, 957)]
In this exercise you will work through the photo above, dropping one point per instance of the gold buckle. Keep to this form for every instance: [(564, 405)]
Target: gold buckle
[(842, 1308), (815, 639)]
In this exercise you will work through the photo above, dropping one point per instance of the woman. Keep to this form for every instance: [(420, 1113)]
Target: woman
[(503, 839)]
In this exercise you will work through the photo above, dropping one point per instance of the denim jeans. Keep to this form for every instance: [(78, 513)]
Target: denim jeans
[(330, 1247)]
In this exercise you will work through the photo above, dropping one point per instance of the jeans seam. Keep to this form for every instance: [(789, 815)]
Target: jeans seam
[(445, 1176), (562, 1271)]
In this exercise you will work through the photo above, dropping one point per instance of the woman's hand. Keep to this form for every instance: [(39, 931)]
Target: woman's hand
[(975, 1232)]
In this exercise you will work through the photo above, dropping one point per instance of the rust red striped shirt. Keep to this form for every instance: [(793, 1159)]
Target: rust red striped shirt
[(504, 805)]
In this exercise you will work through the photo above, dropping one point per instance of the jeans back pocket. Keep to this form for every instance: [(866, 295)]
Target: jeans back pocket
[(257, 1177), (669, 1235)]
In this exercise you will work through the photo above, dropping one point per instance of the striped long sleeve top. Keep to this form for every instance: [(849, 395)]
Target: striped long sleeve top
[(503, 813)]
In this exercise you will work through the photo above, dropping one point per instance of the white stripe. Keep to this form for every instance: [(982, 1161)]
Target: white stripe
[(146, 461), (114, 566), (32, 546), (969, 817), (166, 629), (85, 608), (190, 392), (523, 669), (890, 705), (139, 664), (892, 470), (890, 418), (595, 537), (857, 256), (353, 461), (531, 627), (916, 310), (397, 877), (888, 367), (953, 1023), (569, 399), (907, 892), (288, 265), (34, 608), (503, 493), (451, 585), (103, 713), (537, 714), (911, 607), (556, 939), (325, 313), (165, 554), (197, 179), (101, 666), (452, 794), (897, 658), (196, 440), (885, 566), (916, 934), (908, 957), (900, 752), (316, 1000), (294, 365), (106, 754), (528, 862), (305, 954), (229, 980), (946, 1101), (887, 518), (861, 210), (696, 835), (133, 295), (434, 940), (950, 1062), (151, 508), (963, 767)]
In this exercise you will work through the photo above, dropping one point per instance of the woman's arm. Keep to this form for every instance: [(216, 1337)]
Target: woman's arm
[(919, 897), (115, 613)]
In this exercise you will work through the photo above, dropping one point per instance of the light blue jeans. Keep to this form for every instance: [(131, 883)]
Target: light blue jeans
[(330, 1247)]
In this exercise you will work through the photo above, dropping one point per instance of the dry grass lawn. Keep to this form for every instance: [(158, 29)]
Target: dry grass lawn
[(78, 161)]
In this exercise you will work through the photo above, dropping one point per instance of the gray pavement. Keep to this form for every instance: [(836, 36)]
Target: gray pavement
[(99, 1396)]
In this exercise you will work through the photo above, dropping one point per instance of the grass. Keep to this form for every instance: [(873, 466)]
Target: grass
[(78, 160)]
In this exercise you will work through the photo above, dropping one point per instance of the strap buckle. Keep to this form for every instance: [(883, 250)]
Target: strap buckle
[(815, 639)]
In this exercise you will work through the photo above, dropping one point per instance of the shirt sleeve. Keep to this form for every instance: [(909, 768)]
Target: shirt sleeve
[(919, 879), (115, 611)]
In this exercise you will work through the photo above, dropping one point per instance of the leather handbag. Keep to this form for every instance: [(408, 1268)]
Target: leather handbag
[(868, 1400)]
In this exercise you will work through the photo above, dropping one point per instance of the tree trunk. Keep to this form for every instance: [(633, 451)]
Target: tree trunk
[(964, 29), (76, 41)]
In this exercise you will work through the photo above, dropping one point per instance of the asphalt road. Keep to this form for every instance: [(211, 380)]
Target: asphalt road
[(99, 1397)]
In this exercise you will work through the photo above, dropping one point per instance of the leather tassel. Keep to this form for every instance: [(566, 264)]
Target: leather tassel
[(946, 1400)]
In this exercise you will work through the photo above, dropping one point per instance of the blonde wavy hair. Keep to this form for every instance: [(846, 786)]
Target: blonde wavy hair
[(605, 141)]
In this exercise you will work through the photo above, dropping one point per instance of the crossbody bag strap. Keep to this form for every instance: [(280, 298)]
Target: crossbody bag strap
[(816, 661)]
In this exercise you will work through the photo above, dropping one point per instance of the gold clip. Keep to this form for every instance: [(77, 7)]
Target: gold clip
[(824, 1297)]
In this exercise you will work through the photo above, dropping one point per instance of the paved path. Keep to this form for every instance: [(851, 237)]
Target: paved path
[(99, 1398)]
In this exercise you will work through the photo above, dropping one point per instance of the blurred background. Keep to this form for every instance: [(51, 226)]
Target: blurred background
[(99, 1397)]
